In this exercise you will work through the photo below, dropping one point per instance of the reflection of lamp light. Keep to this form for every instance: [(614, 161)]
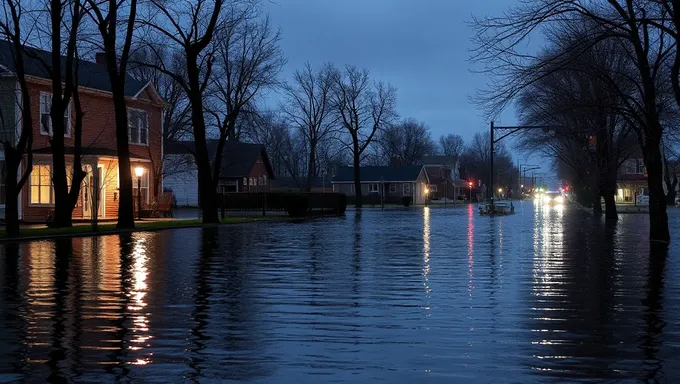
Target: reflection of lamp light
[(139, 172)]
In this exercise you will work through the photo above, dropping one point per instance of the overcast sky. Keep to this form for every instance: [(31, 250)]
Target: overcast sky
[(419, 46)]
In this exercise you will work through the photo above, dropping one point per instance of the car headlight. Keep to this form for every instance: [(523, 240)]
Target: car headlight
[(546, 199), (559, 199)]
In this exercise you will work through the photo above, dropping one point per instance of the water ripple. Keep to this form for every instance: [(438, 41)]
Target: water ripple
[(412, 295)]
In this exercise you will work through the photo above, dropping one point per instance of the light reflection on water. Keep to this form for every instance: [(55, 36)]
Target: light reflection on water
[(417, 295)]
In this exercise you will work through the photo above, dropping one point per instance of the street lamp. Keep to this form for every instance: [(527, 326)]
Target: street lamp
[(139, 172), (470, 185), (426, 195)]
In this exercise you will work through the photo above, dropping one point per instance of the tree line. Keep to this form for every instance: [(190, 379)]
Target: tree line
[(604, 86)]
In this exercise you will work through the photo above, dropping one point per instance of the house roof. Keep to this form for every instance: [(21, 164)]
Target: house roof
[(87, 151), (293, 183), (90, 75), (238, 158), (393, 173)]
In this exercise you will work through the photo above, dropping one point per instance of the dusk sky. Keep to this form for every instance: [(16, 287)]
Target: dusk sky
[(419, 46)]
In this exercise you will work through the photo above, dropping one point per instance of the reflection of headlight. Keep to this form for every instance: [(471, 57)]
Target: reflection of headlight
[(559, 199), (546, 199)]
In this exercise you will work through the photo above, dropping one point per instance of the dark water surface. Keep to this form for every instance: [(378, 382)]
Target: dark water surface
[(402, 296)]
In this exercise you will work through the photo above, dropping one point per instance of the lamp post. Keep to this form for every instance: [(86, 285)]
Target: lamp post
[(470, 185), (427, 191), (139, 172)]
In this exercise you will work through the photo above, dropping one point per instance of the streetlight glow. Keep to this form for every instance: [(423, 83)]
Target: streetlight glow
[(139, 171), (500, 190)]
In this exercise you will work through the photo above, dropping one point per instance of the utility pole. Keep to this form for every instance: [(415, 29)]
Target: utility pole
[(489, 188)]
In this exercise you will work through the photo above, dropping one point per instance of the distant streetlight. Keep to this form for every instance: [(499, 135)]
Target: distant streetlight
[(139, 172), (470, 185)]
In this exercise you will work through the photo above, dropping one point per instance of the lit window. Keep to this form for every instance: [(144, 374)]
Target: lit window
[(41, 184), (46, 120), (252, 182), (138, 128)]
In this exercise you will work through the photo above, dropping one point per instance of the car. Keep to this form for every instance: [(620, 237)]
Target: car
[(553, 198)]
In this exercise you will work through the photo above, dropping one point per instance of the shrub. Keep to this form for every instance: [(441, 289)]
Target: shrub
[(406, 201), (296, 204)]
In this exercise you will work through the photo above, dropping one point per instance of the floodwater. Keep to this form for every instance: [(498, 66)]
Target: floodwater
[(403, 296)]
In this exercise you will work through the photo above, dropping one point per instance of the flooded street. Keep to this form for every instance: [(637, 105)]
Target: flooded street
[(403, 296)]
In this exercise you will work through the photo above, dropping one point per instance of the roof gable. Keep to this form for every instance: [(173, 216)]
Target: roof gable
[(238, 158)]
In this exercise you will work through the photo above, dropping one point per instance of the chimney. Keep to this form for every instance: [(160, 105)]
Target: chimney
[(100, 58)]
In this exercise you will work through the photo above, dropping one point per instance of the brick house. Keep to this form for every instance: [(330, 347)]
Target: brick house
[(632, 181), (444, 175), (245, 168), (100, 161)]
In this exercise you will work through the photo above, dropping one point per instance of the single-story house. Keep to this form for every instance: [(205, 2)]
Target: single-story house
[(389, 183), (245, 168)]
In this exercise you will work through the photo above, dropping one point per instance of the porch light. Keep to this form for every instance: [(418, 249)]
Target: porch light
[(427, 190), (139, 171), (500, 190)]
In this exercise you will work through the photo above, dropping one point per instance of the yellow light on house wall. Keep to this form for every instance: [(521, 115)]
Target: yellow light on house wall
[(139, 171), (427, 190)]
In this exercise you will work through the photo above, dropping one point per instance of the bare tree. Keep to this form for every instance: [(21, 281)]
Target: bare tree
[(247, 63), (630, 23), (406, 142), (65, 19), (16, 149), (190, 29), (309, 108), (363, 109), (582, 102), (451, 145), (176, 120), (106, 16)]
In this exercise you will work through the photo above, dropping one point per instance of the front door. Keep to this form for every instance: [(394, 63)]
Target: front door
[(92, 192)]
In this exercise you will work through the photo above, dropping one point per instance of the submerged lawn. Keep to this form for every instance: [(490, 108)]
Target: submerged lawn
[(86, 229)]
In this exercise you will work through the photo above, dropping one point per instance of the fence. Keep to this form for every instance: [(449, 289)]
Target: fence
[(295, 204)]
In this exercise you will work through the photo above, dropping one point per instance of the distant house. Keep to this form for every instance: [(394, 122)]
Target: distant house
[(632, 180), (245, 168), (389, 183), (319, 184), (444, 175)]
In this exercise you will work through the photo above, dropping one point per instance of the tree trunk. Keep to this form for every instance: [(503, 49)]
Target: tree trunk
[(126, 218), (610, 206), (11, 199), (597, 205), (658, 217), (357, 181), (311, 166)]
